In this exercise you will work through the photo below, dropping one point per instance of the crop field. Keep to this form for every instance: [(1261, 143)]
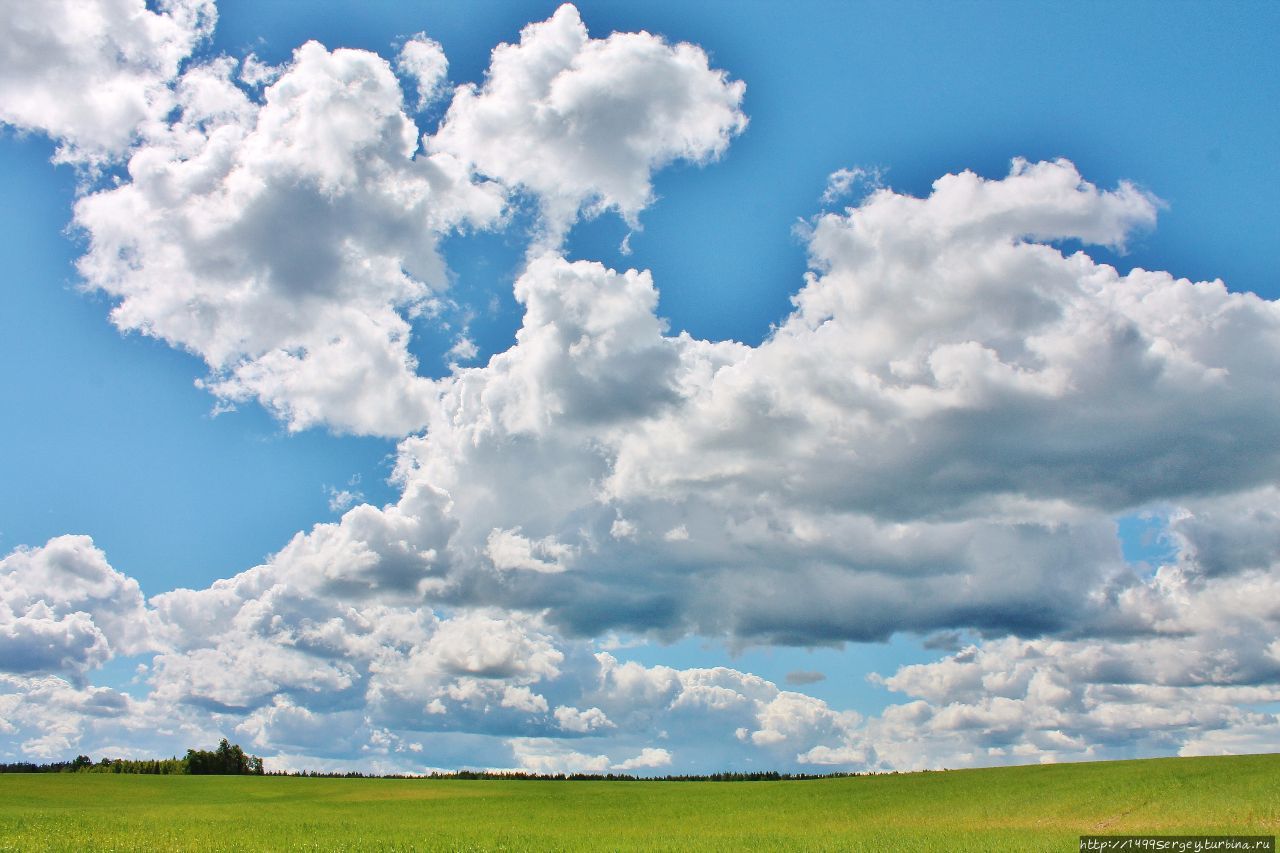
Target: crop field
[(1017, 808)]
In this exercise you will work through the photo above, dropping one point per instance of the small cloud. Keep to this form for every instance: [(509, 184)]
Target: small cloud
[(946, 641), (423, 60), (571, 719), (341, 500), (677, 534), (509, 550), (255, 72), (221, 407), (622, 529), (464, 349), (523, 699), (804, 676), (611, 642), (843, 182), (648, 757), (833, 755)]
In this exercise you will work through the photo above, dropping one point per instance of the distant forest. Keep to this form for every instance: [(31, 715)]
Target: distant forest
[(230, 760), (227, 760)]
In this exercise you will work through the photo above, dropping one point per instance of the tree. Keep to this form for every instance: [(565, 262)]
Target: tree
[(227, 759)]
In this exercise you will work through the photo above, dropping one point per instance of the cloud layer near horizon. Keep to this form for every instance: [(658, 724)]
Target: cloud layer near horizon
[(938, 438)]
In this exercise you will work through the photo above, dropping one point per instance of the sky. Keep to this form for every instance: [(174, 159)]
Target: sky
[(639, 387)]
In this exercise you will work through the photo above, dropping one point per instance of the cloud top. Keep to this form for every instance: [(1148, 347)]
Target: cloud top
[(583, 122)]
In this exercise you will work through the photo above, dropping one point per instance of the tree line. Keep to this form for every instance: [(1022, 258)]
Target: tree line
[(227, 759), (518, 776), (230, 760)]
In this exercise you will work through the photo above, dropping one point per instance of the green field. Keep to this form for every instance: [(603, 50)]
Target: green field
[(1017, 808)]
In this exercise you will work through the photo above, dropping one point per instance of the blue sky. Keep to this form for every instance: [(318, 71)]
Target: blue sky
[(664, 500)]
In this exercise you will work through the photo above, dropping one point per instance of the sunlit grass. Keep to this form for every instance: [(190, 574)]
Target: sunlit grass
[(1018, 808)]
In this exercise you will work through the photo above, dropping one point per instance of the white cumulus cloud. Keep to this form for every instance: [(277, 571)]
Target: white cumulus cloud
[(289, 242), (92, 73), (423, 60), (583, 122), (64, 609), (648, 758)]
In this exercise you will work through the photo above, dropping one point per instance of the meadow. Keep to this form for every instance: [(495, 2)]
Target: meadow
[(1015, 808)]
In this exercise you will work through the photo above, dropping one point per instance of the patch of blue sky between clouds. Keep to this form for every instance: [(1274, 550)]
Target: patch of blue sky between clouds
[(126, 674), (1145, 540)]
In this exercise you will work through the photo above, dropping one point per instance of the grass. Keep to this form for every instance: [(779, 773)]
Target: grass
[(1014, 808)]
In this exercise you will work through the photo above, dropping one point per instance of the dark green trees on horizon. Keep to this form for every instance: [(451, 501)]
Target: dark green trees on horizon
[(227, 760)]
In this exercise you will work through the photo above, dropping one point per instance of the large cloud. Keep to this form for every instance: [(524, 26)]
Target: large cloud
[(296, 667), (1013, 701), (871, 468), (942, 363), (1201, 675), (290, 238), (90, 73), (939, 436), (584, 122), (290, 243), (298, 670), (64, 609)]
